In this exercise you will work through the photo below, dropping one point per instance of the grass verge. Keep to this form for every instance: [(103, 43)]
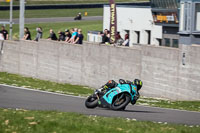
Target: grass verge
[(164, 103), (17, 80), (49, 13), (84, 25), (20, 81), (24, 121), (41, 2)]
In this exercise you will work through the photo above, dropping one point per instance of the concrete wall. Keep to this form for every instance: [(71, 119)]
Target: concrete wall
[(92, 65), (135, 19)]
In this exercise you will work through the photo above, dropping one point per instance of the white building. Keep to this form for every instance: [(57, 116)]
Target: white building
[(138, 22), (156, 24)]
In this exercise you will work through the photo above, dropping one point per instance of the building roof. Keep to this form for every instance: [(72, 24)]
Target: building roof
[(165, 4)]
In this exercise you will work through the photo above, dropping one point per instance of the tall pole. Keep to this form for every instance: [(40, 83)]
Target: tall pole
[(21, 20), (11, 17)]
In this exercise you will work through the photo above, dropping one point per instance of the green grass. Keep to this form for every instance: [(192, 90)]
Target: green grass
[(24, 121), (164, 103), (40, 2), (84, 25), (48, 13), (17, 80)]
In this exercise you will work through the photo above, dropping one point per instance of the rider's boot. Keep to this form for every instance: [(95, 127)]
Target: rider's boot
[(136, 97)]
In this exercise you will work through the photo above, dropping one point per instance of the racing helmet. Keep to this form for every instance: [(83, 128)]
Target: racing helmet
[(138, 83)]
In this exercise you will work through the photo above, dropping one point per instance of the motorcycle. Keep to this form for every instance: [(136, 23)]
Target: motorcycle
[(116, 98), (78, 17)]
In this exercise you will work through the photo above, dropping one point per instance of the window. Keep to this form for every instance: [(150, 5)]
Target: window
[(138, 36), (175, 43), (149, 37), (197, 17), (167, 42), (159, 42)]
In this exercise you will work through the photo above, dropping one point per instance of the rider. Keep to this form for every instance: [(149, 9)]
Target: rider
[(78, 17), (112, 84)]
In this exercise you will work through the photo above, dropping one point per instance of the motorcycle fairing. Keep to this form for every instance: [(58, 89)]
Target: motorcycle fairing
[(121, 88)]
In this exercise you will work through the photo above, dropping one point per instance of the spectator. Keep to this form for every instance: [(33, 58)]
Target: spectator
[(1, 42), (118, 36), (68, 35), (105, 36), (79, 39), (74, 35), (52, 35), (119, 40), (4, 32), (126, 40), (108, 35), (39, 33), (27, 34), (61, 36), (1, 36)]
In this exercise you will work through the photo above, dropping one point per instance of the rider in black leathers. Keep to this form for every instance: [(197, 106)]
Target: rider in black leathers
[(112, 84)]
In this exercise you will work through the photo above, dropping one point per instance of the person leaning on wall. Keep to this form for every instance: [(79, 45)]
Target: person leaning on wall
[(1, 42), (79, 39), (39, 34), (52, 35), (68, 35), (27, 34), (4, 32)]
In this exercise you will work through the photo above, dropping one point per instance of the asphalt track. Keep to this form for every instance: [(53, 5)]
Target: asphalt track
[(54, 20), (13, 97)]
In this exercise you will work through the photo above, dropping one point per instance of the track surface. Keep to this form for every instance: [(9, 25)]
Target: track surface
[(53, 20), (12, 97)]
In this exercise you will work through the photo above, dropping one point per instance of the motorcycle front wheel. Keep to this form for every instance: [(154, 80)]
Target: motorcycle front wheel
[(120, 102), (91, 101)]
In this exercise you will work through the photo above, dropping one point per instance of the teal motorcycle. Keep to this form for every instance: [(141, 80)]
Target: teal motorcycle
[(116, 98)]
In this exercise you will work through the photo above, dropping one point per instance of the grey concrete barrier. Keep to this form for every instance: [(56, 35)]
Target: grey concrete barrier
[(160, 68)]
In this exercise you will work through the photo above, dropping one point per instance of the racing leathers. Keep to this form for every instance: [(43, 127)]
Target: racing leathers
[(112, 84)]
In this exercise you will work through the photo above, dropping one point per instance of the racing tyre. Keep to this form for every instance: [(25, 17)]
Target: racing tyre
[(120, 102), (91, 102)]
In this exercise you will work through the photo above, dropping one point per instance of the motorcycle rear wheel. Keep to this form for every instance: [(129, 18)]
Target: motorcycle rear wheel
[(120, 104), (91, 102)]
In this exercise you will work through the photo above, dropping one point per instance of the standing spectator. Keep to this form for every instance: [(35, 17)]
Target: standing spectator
[(61, 36), (105, 36), (119, 40), (118, 36), (126, 40), (79, 39), (68, 35), (4, 32), (27, 34), (1, 42), (1, 36), (74, 35), (52, 35), (39, 33), (108, 35)]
